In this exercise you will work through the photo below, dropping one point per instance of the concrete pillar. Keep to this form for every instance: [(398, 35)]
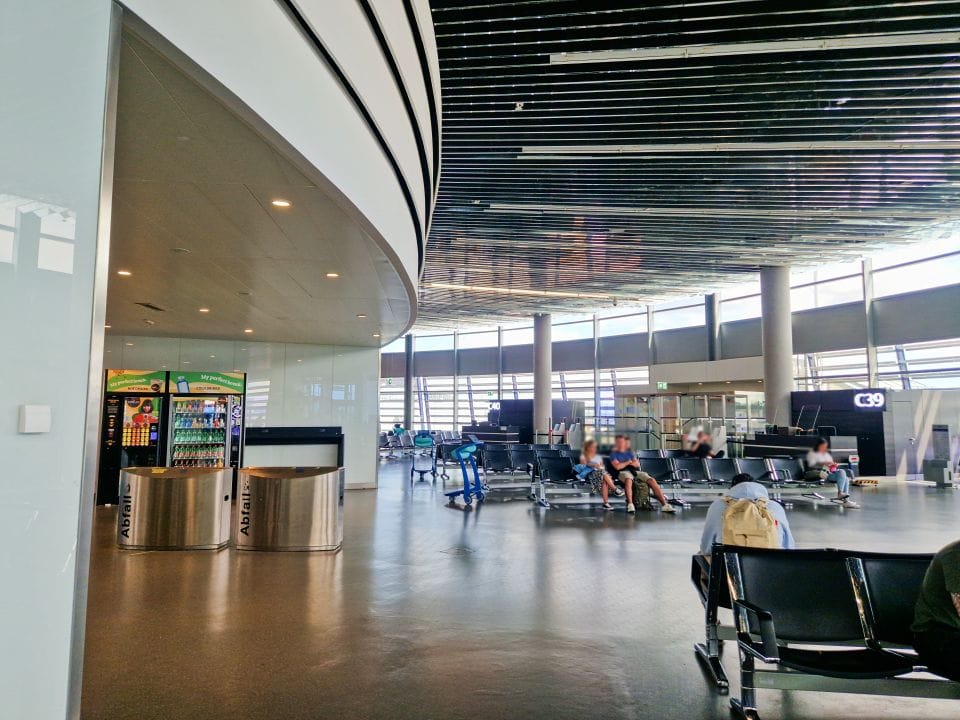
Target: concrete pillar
[(777, 343), (56, 173), (542, 373), (408, 383), (873, 366), (711, 311)]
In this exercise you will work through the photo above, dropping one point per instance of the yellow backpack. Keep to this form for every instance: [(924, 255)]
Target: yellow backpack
[(748, 523)]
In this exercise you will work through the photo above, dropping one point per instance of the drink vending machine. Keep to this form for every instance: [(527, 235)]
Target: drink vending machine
[(206, 419), (131, 426), (152, 418)]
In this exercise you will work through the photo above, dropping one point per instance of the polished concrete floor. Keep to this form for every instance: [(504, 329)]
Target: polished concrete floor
[(431, 613)]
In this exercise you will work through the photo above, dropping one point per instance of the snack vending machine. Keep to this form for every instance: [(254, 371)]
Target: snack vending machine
[(205, 426), (131, 426)]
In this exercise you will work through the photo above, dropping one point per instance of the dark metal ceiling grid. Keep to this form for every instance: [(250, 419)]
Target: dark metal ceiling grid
[(617, 150)]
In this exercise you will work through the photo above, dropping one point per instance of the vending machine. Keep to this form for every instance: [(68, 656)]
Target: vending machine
[(132, 426), (205, 426)]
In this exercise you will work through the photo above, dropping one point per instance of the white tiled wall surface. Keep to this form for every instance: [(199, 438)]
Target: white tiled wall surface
[(287, 385)]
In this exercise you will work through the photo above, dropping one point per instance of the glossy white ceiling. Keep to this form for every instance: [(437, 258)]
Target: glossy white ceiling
[(191, 175)]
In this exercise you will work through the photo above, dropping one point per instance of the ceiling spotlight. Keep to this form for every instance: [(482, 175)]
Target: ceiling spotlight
[(108, 326), (185, 362), (518, 107), (376, 335), (213, 356), (248, 330), (125, 273), (333, 275), (244, 292), (361, 316), (148, 321), (299, 360), (280, 203), (181, 250), (203, 310), (129, 344)]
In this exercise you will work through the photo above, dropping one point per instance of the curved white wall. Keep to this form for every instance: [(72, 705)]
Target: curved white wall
[(261, 54)]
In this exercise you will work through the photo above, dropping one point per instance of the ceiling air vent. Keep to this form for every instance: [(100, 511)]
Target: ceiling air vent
[(151, 306)]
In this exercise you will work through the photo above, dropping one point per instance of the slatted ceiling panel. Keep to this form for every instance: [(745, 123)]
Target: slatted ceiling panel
[(705, 140)]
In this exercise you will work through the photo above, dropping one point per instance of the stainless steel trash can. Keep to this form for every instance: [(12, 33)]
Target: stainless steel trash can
[(170, 508), (286, 508)]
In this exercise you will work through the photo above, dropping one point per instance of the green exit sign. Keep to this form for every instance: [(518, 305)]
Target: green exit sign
[(661, 385)]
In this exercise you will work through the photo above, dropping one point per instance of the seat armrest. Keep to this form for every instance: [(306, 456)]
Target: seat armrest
[(763, 618), (699, 568)]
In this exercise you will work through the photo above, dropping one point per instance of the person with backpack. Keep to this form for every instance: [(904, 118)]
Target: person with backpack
[(624, 462), (746, 517), (591, 468)]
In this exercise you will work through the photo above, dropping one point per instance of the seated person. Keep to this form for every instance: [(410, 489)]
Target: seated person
[(702, 447), (591, 468), (625, 462), (743, 487), (936, 625), (820, 459)]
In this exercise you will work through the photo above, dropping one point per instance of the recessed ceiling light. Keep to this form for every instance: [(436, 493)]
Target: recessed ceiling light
[(108, 326), (281, 203), (129, 344), (333, 275), (125, 273), (248, 330), (361, 316), (243, 292), (185, 362), (728, 382), (203, 310), (299, 360), (376, 334), (213, 356), (181, 250)]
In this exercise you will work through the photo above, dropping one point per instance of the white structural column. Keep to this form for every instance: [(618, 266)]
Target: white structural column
[(56, 167), (777, 342), (542, 373)]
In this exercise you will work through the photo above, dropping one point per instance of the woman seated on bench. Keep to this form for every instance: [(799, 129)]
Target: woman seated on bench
[(936, 625), (820, 461), (591, 468)]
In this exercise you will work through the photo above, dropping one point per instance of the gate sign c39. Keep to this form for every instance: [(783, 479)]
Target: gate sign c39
[(870, 400)]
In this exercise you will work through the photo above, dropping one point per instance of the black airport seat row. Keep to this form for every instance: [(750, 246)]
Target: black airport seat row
[(854, 608), (653, 454)]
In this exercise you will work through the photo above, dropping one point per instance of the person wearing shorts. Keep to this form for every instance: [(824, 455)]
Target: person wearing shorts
[(625, 462), (591, 465)]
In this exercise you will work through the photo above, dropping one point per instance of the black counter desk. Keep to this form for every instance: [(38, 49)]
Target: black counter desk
[(841, 446)]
